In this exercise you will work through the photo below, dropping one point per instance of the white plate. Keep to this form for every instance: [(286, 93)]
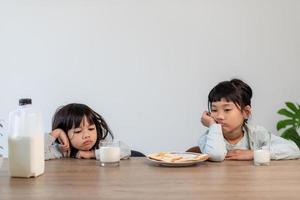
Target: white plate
[(179, 164)]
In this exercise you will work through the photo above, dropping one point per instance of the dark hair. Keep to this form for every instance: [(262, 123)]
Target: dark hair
[(234, 90), (71, 115)]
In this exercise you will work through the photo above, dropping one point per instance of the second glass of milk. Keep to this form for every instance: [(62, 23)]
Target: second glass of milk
[(109, 153), (262, 147)]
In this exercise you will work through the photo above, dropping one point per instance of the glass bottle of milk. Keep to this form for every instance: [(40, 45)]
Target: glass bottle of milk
[(25, 141)]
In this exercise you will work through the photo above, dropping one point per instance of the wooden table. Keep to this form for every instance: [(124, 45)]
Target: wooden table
[(136, 178)]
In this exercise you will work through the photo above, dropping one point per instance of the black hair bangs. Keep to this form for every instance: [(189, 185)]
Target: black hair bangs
[(224, 90), (75, 117), (71, 116)]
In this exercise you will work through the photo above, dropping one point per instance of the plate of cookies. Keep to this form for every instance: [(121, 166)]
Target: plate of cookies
[(177, 159)]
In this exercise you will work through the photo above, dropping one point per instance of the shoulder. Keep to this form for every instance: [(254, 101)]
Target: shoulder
[(256, 128), (257, 131)]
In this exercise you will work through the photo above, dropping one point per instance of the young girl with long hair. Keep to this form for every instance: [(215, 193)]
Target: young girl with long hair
[(76, 132)]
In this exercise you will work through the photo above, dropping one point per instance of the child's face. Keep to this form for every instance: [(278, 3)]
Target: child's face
[(83, 137), (229, 115)]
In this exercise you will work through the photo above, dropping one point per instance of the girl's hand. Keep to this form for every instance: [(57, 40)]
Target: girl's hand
[(62, 138), (85, 154), (207, 119), (239, 154)]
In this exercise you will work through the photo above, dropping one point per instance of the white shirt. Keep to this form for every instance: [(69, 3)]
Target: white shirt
[(216, 146)]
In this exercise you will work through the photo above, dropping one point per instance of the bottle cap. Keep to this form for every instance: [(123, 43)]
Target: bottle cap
[(25, 101)]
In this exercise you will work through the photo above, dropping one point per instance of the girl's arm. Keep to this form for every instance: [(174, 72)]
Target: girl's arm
[(212, 143), (62, 137), (280, 147), (85, 154), (283, 149), (51, 149), (54, 150)]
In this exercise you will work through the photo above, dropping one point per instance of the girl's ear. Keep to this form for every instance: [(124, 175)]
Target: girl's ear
[(247, 112)]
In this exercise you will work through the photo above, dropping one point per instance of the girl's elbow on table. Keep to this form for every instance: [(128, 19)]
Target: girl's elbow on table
[(217, 156)]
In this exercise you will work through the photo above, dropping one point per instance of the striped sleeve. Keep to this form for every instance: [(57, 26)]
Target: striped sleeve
[(51, 148)]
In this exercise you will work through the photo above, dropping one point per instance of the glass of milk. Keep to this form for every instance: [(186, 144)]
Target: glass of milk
[(261, 154), (109, 153)]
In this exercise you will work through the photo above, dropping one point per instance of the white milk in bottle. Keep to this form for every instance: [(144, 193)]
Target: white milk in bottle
[(26, 141)]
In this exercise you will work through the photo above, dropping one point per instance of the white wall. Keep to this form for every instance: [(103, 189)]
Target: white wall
[(147, 66)]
